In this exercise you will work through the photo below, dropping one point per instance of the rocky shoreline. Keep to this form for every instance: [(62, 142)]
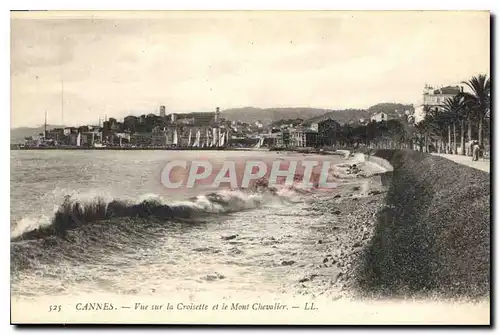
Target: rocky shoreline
[(420, 231), (348, 227)]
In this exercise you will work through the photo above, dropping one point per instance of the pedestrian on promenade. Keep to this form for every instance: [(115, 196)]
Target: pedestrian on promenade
[(468, 147), (481, 151), (475, 150)]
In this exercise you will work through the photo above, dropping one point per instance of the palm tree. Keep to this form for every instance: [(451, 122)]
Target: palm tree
[(421, 135), (438, 124), (468, 114), (424, 127), (479, 99), (453, 110)]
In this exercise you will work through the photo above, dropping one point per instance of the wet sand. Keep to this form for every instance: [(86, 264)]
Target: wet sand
[(341, 237)]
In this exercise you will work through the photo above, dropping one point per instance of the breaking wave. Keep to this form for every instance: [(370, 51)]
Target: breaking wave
[(75, 212)]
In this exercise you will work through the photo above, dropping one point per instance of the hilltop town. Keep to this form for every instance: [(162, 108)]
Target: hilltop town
[(384, 125), (207, 130)]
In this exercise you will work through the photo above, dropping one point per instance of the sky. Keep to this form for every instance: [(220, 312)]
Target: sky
[(119, 63)]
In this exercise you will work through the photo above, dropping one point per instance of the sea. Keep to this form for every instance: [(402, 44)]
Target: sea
[(101, 221)]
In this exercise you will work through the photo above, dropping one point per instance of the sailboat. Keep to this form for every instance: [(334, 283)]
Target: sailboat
[(189, 139), (215, 141), (221, 141), (98, 143), (197, 140), (207, 139), (175, 137), (79, 140), (260, 143), (45, 127)]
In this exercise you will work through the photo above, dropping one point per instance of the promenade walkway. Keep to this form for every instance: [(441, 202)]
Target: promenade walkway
[(481, 164)]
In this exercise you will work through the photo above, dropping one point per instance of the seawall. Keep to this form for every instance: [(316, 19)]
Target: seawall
[(433, 235)]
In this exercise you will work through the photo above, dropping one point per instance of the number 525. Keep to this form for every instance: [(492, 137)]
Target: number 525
[(54, 308)]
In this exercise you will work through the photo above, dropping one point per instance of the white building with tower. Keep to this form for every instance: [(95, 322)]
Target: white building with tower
[(434, 98)]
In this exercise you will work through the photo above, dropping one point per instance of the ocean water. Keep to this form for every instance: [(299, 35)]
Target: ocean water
[(157, 240)]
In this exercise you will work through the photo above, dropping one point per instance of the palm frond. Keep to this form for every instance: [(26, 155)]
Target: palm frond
[(479, 98)]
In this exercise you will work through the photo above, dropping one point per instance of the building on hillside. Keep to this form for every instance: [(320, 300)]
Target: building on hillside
[(56, 134), (148, 139), (117, 127), (203, 119), (34, 141), (379, 117), (198, 119), (327, 131), (302, 137), (434, 98), (273, 140), (130, 121)]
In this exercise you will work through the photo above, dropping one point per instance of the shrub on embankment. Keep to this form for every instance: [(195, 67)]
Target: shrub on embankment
[(433, 236)]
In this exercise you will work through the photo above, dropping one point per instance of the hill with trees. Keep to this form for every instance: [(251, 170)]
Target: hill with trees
[(342, 116), (310, 115), (390, 108), (269, 115)]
